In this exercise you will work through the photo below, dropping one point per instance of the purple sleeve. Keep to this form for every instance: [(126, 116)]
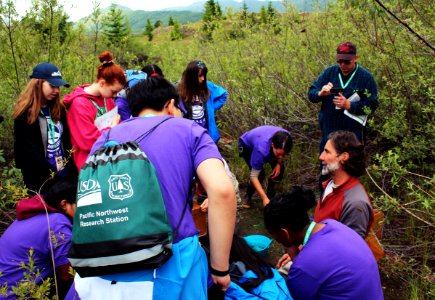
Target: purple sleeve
[(100, 142), (61, 240), (257, 160), (301, 285), (123, 109), (203, 146)]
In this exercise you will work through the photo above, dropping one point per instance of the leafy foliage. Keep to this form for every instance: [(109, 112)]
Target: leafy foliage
[(267, 61), (28, 287)]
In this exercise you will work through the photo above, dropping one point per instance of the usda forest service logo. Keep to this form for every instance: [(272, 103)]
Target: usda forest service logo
[(120, 187)]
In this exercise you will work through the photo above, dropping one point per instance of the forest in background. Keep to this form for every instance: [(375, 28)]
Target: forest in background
[(267, 61)]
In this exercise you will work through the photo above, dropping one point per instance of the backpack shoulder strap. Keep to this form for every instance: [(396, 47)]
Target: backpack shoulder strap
[(182, 216), (145, 134), (139, 139)]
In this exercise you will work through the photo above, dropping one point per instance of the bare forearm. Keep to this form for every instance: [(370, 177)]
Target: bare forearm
[(221, 211), (221, 219), (257, 185)]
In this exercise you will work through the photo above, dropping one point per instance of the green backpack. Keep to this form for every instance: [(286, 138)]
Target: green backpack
[(120, 224)]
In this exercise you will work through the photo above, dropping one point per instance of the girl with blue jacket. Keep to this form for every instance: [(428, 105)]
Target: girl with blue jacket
[(201, 98)]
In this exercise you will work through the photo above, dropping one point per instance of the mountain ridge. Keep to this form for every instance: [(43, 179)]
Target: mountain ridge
[(193, 13)]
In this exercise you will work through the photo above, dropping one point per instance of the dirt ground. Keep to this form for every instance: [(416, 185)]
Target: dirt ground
[(250, 221)]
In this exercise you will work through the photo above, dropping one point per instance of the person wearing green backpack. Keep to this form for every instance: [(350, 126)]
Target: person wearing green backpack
[(178, 149)]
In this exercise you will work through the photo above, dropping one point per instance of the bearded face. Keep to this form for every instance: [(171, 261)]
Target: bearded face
[(329, 168)]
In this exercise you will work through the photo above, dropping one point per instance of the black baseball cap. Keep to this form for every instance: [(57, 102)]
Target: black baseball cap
[(50, 73)]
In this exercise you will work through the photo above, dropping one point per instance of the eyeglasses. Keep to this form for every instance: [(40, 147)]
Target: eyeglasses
[(342, 61), (200, 65)]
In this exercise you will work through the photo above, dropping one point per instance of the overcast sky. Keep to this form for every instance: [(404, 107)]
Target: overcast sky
[(81, 8)]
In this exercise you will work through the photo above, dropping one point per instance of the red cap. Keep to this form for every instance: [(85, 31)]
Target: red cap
[(346, 51)]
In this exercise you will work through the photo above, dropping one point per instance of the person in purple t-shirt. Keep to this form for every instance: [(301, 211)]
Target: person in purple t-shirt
[(334, 262), (178, 149), (28, 236), (133, 77), (264, 144)]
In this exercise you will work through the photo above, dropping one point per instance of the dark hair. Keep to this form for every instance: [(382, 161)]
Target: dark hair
[(109, 71), (61, 190), (240, 251), (153, 93), (346, 141), (282, 140), (289, 210), (189, 85), (152, 70)]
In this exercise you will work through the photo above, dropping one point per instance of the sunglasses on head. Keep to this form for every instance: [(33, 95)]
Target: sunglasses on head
[(343, 61), (200, 65)]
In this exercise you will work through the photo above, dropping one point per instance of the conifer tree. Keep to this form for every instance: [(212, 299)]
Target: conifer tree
[(212, 11), (171, 21), (176, 32), (263, 15), (244, 15), (209, 8), (211, 17), (116, 29), (149, 30), (271, 12)]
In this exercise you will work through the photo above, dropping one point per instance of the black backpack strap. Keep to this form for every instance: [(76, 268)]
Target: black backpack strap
[(138, 140), (107, 136), (142, 136), (181, 218)]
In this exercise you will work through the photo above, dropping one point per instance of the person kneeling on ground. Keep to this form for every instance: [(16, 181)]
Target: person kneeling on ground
[(344, 198), (42, 232), (333, 263), (264, 144)]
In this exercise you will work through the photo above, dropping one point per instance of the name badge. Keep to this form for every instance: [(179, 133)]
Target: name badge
[(60, 163)]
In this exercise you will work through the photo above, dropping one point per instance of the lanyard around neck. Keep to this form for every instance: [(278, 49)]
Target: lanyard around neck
[(100, 110), (147, 115), (50, 125), (308, 233), (343, 86)]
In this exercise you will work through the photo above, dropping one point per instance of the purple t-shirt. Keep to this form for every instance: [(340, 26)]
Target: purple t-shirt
[(123, 109), (176, 148), (336, 263), (259, 141), (22, 235)]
